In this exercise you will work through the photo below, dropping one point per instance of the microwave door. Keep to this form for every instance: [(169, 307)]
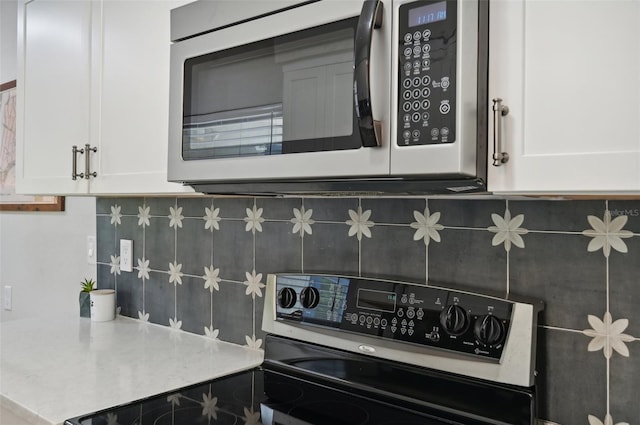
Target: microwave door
[(273, 98)]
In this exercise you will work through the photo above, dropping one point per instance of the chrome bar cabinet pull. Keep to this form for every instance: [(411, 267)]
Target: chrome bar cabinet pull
[(74, 163), (87, 162), (499, 111)]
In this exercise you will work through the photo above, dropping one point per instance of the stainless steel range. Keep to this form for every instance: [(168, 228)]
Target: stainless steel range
[(357, 351)]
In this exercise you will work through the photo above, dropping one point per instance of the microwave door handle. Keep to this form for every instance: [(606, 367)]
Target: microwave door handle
[(370, 19)]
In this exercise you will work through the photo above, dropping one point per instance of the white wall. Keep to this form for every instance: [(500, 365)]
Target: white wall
[(42, 254)]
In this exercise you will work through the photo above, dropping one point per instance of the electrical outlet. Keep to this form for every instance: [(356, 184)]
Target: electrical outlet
[(126, 255), (6, 297), (91, 249)]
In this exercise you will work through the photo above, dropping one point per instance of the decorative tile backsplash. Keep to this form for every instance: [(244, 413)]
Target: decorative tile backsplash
[(201, 265)]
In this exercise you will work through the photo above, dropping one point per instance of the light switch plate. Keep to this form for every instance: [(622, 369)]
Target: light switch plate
[(126, 255), (6, 297), (91, 249)]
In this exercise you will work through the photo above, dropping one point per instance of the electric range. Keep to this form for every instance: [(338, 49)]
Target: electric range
[(357, 351)]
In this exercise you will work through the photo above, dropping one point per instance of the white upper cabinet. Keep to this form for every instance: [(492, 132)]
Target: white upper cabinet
[(569, 72), (54, 94), (95, 72)]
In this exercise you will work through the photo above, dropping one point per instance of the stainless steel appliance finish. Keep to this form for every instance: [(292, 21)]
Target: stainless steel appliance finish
[(382, 96), (343, 351)]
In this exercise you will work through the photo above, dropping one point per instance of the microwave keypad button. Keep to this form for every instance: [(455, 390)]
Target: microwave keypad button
[(425, 116), (416, 134), (416, 93), (426, 48), (426, 34), (416, 105), (426, 92), (444, 107), (406, 106), (426, 80), (406, 118), (426, 63), (417, 35), (416, 81), (444, 131), (434, 132), (425, 104), (406, 134), (445, 82), (406, 95), (406, 83), (408, 37), (416, 64), (407, 51), (416, 50), (415, 117)]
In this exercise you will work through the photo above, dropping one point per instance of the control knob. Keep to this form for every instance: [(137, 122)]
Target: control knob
[(309, 297), (488, 330), (287, 297), (454, 320)]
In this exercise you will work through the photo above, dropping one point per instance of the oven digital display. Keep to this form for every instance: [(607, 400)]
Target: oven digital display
[(376, 300), (428, 14)]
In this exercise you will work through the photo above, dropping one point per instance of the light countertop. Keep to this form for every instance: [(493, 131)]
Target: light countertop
[(56, 368)]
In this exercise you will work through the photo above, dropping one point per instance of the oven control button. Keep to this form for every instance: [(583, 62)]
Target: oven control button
[(489, 330), (454, 320), (287, 298), (309, 297)]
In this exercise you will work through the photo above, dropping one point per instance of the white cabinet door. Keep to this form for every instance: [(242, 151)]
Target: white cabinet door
[(134, 98), (569, 73), (54, 91)]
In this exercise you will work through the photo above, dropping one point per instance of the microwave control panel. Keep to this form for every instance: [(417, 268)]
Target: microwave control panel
[(429, 316), (427, 56)]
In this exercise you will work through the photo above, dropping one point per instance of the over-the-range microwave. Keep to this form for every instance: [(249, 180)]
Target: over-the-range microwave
[(348, 96)]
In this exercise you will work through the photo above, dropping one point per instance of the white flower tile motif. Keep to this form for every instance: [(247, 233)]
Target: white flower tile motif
[(507, 230), (607, 233), (302, 221), (116, 216), (211, 218), (607, 335), (359, 223), (211, 279), (174, 399), (175, 217), (210, 332), (251, 417), (254, 284), (426, 226), (143, 316), (143, 268), (175, 273), (254, 220), (174, 323), (115, 264), (112, 419), (144, 212), (608, 420), (209, 406), (253, 343)]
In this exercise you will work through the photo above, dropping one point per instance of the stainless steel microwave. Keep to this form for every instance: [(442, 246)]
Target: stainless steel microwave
[(375, 96)]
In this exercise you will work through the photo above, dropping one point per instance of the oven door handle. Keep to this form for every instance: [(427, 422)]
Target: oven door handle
[(370, 19)]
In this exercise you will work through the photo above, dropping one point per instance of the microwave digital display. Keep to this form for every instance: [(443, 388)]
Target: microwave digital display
[(428, 14)]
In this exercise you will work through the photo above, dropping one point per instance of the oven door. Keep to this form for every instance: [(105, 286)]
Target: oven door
[(273, 97)]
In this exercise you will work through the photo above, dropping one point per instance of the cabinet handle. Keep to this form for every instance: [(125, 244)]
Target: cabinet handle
[(87, 162), (499, 111), (74, 163)]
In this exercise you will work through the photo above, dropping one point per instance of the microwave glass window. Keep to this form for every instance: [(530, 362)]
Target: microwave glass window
[(283, 95)]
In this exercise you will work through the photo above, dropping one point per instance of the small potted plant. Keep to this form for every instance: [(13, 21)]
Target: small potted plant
[(87, 285)]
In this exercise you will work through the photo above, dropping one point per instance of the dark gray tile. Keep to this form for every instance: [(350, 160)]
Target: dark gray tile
[(103, 205), (159, 298), (558, 269), (194, 207), (160, 241), (624, 385), (624, 285), (393, 253), (106, 239), (259, 310), (278, 250), (394, 210), (195, 246), (104, 278), (331, 209), (129, 294), (194, 305), (629, 208), (332, 250), (560, 215), (466, 258), (466, 212), (128, 206), (233, 250), (233, 312), (572, 380), (160, 206), (279, 208), (233, 207)]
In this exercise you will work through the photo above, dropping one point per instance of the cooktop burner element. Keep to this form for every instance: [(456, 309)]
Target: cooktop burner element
[(332, 357)]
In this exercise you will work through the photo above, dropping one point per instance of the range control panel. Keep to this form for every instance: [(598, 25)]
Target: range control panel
[(427, 72), (425, 315)]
